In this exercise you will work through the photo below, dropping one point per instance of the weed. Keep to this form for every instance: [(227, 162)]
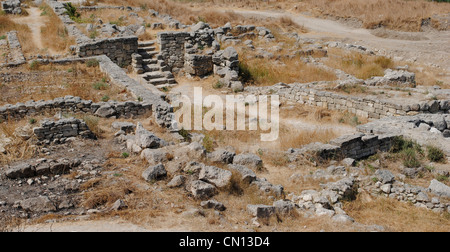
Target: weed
[(435, 154), (71, 11), (32, 121), (410, 159), (34, 65), (105, 98), (100, 86), (92, 63), (125, 155)]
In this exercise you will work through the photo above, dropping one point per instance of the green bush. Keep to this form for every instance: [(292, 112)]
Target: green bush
[(71, 11), (435, 154), (92, 63), (410, 159), (2, 37), (105, 98), (100, 86)]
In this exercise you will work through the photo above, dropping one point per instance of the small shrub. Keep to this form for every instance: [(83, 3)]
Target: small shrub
[(435, 154), (71, 11), (100, 86), (105, 98), (93, 34), (125, 155), (2, 37), (34, 65), (208, 143), (185, 134), (92, 63), (32, 121), (410, 159), (218, 85)]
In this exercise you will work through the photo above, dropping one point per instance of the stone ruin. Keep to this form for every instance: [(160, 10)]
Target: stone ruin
[(12, 7), (197, 52)]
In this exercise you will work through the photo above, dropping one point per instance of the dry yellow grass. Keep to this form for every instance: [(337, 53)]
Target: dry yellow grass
[(396, 216), (54, 34), (6, 25), (17, 147), (46, 82), (359, 65), (264, 72), (392, 14)]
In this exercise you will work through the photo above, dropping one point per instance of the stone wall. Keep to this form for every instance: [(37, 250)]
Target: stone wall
[(60, 131), (361, 107), (198, 65), (15, 49), (172, 48), (11, 7), (119, 50), (70, 104), (355, 146)]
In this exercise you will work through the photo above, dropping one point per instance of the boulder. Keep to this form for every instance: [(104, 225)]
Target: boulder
[(146, 139), (22, 170), (213, 204), (247, 175), (249, 160), (154, 172), (439, 188), (41, 204), (222, 155), (216, 176), (177, 181), (384, 176), (202, 190), (284, 206), (261, 211)]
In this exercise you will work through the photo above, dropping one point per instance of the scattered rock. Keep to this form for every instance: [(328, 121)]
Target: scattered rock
[(202, 190), (154, 173), (213, 204)]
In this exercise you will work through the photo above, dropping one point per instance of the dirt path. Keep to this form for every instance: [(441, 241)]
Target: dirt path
[(35, 21), (433, 49)]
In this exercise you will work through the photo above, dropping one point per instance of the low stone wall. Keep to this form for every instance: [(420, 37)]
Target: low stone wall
[(15, 49), (60, 131), (70, 104), (147, 100), (355, 146), (362, 107), (119, 50)]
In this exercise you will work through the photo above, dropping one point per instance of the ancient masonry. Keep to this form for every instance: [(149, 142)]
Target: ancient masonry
[(59, 131), (362, 107)]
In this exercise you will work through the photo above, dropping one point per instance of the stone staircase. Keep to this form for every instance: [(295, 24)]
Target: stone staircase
[(150, 68)]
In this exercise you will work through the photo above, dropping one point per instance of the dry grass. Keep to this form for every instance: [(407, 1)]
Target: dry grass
[(264, 72), (46, 82), (17, 148), (54, 34), (396, 216), (359, 65), (392, 14), (6, 25)]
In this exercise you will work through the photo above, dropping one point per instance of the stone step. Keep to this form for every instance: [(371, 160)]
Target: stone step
[(146, 49), (160, 81), (150, 61), (148, 55), (146, 43), (165, 86), (151, 68), (153, 75)]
